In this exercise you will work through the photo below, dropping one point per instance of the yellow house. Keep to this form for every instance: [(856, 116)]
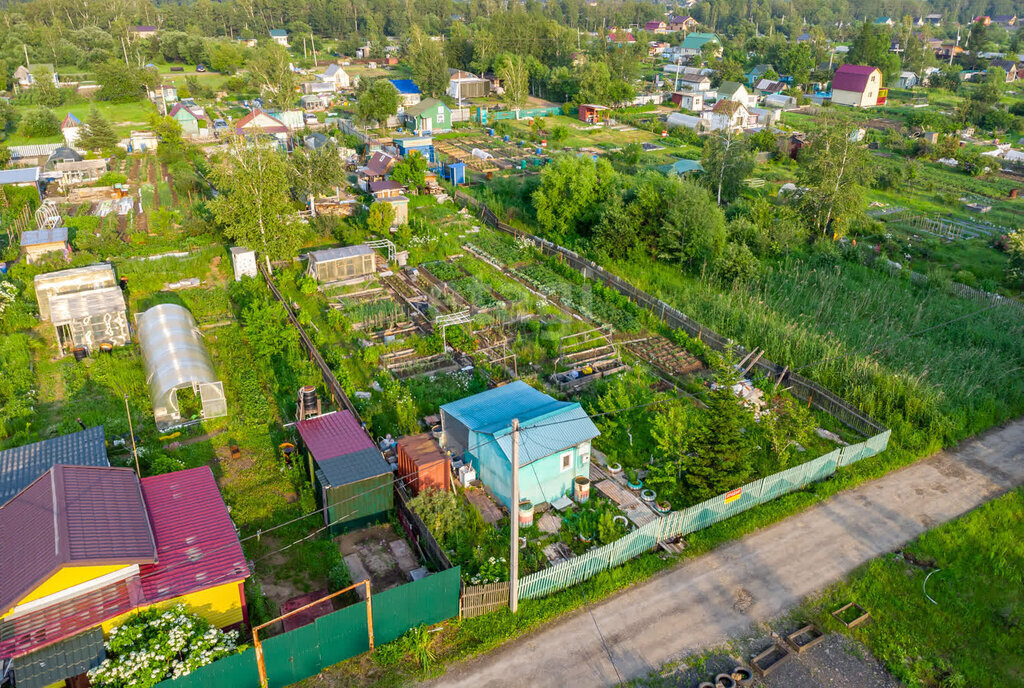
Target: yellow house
[(85, 546)]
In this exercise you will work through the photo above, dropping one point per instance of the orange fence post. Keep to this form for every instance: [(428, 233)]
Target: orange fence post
[(369, 612), (259, 657)]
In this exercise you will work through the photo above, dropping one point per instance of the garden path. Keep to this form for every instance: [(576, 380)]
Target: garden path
[(708, 600)]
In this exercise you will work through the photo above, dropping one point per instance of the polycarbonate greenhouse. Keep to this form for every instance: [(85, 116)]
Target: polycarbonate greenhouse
[(175, 358), (339, 264), (85, 305)]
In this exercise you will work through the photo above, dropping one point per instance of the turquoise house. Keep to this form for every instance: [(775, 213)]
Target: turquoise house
[(554, 440)]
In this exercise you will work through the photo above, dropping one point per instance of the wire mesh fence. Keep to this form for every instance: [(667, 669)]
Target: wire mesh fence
[(697, 517)]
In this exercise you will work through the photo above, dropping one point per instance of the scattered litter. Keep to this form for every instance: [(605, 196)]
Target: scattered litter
[(829, 435), (189, 283)]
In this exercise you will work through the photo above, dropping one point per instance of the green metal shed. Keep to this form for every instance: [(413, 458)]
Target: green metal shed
[(355, 489)]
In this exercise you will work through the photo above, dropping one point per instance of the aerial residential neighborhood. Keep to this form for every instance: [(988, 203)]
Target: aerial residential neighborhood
[(649, 344)]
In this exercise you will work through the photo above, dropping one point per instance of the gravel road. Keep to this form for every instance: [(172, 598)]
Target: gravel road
[(705, 601)]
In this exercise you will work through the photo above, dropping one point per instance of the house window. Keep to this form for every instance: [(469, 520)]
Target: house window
[(566, 461), (584, 458), (440, 115)]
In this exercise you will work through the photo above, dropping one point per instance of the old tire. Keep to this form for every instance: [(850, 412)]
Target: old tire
[(725, 681), (742, 675)]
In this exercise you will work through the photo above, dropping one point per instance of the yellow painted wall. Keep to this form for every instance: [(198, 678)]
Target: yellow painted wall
[(221, 606), (67, 577)]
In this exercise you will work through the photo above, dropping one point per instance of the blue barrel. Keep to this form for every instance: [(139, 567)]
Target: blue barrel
[(540, 151), (491, 132), (507, 138)]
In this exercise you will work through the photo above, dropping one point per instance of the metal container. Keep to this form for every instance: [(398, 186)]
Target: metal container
[(581, 489), (525, 513)]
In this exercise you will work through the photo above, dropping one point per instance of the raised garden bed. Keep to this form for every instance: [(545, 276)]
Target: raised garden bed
[(851, 615), (766, 662), (805, 638)]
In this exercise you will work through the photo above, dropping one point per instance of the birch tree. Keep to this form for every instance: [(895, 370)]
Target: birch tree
[(726, 160), (514, 72), (252, 207), (832, 166)]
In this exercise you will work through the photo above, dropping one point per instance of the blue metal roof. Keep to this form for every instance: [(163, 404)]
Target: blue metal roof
[(21, 466), (406, 86), (546, 425), (278, 33), (21, 175)]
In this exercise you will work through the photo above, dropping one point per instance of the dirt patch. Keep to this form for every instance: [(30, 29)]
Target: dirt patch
[(379, 554)]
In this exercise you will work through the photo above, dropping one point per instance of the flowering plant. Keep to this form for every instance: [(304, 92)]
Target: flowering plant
[(155, 645)]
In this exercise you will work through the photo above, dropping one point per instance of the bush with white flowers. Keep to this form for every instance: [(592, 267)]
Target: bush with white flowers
[(155, 645)]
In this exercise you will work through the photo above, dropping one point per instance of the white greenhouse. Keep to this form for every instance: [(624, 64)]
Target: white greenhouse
[(175, 358)]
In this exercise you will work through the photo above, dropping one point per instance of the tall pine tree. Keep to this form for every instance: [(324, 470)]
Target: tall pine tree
[(97, 133)]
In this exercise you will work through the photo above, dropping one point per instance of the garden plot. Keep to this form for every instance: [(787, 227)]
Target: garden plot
[(379, 554), (467, 289), (585, 357), (374, 311)]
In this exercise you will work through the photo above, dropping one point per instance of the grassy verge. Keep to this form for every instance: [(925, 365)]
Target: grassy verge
[(973, 633)]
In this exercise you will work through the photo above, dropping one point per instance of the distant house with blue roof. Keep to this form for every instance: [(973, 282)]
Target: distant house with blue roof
[(279, 36), (554, 440), (71, 128), (408, 92)]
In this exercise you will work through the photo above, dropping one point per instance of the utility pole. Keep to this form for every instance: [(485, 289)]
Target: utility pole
[(312, 44), (513, 562), (679, 63), (131, 432)]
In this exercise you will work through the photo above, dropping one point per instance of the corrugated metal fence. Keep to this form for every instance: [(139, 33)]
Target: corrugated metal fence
[(304, 652), (697, 517)]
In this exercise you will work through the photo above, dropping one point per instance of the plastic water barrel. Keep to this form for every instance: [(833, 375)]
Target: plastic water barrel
[(525, 513), (80, 353), (507, 138), (581, 489), (490, 132), (540, 152)]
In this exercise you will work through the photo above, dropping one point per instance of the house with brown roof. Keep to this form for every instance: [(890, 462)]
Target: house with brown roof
[(656, 26), (726, 115), (677, 23), (375, 169), (86, 545)]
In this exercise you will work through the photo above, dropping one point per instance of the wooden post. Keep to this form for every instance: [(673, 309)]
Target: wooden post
[(260, 663), (369, 612)]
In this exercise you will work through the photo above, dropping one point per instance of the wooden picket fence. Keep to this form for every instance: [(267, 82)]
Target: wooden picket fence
[(478, 600)]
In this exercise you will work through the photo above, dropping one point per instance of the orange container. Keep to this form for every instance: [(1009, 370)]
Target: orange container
[(422, 464)]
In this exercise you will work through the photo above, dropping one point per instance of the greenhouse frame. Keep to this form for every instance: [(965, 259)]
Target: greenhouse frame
[(175, 358)]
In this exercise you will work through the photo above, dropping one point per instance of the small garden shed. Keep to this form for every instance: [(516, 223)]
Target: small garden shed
[(339, 264), (37, 243), (554, 440), (422, 464), (351, 477)]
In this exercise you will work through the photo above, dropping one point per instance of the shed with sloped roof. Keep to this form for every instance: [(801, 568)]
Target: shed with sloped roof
[(554, 446)]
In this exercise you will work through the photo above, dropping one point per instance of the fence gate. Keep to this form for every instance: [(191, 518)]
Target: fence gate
[(478, 600)]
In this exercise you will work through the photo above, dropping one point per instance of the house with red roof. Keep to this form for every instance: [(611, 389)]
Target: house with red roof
[(620, 36), (189, 118), (858, 86), (261, 124), (83, 546)]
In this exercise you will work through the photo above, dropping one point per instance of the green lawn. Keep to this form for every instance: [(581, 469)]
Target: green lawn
[(973, 632), (124, 117)]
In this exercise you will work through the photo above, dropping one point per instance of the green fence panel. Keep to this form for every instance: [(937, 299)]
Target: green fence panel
[(343, 634), (427, 601), (234, 671), (292, 656)]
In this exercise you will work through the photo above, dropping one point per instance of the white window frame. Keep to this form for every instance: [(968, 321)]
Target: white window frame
[(440, 115), (562, 457), (585, 458)]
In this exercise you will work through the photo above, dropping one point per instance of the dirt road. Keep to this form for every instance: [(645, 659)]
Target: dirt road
[(710, 599)]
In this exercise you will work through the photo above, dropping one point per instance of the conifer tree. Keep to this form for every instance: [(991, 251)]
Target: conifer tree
[(97, 133)]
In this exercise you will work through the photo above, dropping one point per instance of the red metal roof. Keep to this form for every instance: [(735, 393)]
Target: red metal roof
[(278, 128), (852, 78), (71, 516), (196, 543), (333, 435), (196, 546)]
